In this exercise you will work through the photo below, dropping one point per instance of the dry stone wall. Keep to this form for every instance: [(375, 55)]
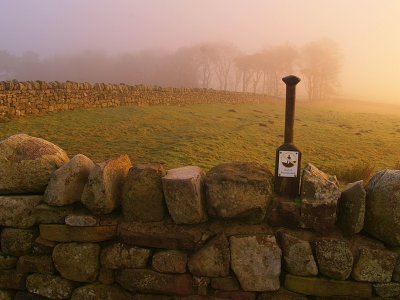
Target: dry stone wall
[(120, 230), (33, 97)]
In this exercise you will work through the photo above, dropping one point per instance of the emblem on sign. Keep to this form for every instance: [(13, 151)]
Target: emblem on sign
[(288, 163)]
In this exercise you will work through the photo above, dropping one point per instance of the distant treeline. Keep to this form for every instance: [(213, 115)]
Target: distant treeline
[(206, 65)]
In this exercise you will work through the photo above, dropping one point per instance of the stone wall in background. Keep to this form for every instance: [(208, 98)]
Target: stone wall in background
[(33, 97), (73, 229)]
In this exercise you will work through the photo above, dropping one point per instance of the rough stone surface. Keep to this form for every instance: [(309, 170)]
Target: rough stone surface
[(225, 283), (256, 261), (374, 265), (6, 295), (100, 292), (282, 294), (298, 258), (390, 289), (102, 192), (46, 214), (65, 233), (284, 213), (160, 236), (315, 286), (106, 276), (235, 295), (118, 256), (239, 190), (170, 261), (42, 247), (396, 272), (183, 190), (7, 262), (142, 194), (53, 287), (147, 281), (11, 279), (382, 214), (200, 285), (35, 264), (81, 220), (351, 208), (319, 196), (16, 211), (212, 260), (66, 183), (17, 242), (334, 258), (77, 261), (26, 164)]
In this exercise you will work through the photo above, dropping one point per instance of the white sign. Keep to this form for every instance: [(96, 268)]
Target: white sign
[(288, 163)]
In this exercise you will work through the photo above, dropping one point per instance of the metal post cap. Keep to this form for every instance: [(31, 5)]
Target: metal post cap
[(291, 80)]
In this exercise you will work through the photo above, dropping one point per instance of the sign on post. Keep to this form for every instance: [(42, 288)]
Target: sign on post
[(288, 156)]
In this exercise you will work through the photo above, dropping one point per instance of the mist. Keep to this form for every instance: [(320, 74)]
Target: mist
[(237, 45)]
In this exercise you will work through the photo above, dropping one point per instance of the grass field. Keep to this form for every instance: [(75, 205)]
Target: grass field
[(336, 137)]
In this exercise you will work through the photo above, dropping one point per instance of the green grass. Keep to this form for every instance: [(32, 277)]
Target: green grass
[(206, 135)]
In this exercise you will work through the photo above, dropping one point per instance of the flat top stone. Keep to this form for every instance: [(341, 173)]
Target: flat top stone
[(183, 173), (240, 171)]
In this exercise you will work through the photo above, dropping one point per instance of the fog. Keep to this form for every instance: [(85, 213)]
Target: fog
[(353, 46)]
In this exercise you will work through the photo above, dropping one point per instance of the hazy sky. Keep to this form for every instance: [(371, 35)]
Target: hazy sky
[(367, 31)]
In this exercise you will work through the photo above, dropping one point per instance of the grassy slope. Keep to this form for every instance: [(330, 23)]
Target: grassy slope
[(206, 135)]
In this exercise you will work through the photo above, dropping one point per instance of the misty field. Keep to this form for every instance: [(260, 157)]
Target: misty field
[(341, 139)]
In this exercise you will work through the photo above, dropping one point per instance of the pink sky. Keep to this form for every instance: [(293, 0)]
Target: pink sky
[(367, 31)]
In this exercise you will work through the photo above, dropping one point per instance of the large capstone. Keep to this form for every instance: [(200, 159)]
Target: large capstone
[(183, 190), (319, 196), (382, 215), (26, 164), (102, 193), (239, 190), (142, 194), (256, 261), (67, 183), (77, 261)]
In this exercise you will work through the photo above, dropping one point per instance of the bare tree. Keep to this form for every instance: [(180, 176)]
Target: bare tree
[(320, 66)]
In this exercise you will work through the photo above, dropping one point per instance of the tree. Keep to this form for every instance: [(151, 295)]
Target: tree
[(320, 66)]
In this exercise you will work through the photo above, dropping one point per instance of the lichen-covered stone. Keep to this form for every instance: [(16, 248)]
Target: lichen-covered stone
[(77, 261), (51, 286), (26, 164), (256, 262), (102, 192), (17, 242), (142, 194), (36, 264), (118, 256), (297, 255), (100, 292), (315, 286), (212, 260), (390, 289), (374, 265), (334, 258), (170, 261), (7, 262), (46, 214), (239, 190), (81, 220), (351, 208), (319, 196), (16, 211), (382, 215), (65, 233), (147, 281), (183, 190), (66, 183)]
